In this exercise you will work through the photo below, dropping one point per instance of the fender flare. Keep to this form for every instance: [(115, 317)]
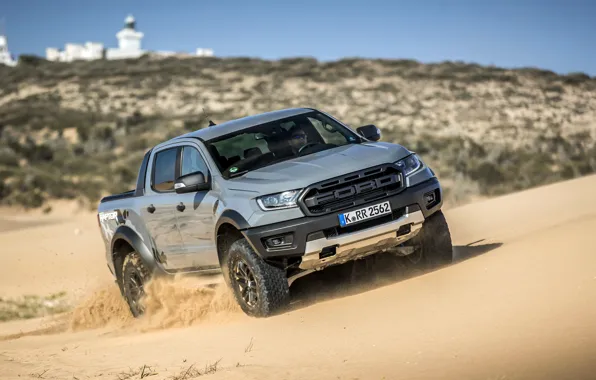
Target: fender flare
[(232, 217), (134, 240)]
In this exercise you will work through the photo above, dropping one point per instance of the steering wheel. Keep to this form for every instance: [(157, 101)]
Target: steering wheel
[(306, 145)]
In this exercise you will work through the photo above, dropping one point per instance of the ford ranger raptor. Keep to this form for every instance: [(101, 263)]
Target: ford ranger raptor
[(269, 198)]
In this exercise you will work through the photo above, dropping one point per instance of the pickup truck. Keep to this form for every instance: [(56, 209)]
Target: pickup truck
[(265, 199)]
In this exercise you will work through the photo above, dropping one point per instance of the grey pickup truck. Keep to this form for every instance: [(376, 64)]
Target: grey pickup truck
[(266, 199)]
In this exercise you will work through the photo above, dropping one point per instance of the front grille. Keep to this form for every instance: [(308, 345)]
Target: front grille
[(352, 190)]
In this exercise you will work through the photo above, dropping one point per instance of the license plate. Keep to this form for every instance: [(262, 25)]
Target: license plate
[(364, 213)]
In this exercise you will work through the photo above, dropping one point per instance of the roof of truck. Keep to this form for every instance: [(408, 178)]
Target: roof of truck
[(235, 125)]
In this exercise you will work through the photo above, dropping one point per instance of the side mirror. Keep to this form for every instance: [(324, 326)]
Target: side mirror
[(369, 132), (191, 182)]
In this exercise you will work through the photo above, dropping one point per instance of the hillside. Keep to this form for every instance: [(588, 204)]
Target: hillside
[(79, 130)]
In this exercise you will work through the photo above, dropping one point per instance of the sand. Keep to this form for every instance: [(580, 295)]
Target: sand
[(519, 303)]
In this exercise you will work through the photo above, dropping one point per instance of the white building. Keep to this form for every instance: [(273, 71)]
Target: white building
[(53, 54), (5, 56), (74, 52), (129, 42), (129, 46), (204, 52)]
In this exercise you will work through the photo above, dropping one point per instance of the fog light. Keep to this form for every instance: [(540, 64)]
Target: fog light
[(432, 198), (429, 197), (280, 241)]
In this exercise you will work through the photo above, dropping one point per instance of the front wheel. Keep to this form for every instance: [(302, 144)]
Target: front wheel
[(433, 243), (259, 288)]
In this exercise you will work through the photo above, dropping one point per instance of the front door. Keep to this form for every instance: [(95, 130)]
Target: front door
[(159, 207), (195, 214)]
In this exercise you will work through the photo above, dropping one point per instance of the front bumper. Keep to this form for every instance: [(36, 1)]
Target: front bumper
[(311, 236), (338, 250)]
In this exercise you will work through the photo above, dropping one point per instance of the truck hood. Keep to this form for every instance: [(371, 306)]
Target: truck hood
[(304, 171)]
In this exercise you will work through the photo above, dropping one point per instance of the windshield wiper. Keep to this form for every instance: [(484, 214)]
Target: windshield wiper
[(237, 174)]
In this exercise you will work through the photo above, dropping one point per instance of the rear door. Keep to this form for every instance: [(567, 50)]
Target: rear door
[(195, 214), (159, 205)]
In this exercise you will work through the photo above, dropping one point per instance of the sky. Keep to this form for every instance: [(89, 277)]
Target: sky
[(553, 35)]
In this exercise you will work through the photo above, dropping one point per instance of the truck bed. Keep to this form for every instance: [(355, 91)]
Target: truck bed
[(126, 194)]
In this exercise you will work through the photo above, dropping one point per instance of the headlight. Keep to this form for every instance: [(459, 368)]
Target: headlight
[(409, 164), (287, 199)]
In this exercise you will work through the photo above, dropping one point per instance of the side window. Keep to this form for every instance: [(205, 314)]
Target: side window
[(192, 161), (164, 171), (328, 132)]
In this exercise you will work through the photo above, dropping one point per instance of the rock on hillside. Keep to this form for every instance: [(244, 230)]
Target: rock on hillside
[(72, 130)]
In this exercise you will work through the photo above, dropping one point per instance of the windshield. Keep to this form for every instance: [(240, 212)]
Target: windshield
[(277, 141)]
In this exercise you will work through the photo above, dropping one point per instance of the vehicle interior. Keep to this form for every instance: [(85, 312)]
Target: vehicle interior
[(275, 142)]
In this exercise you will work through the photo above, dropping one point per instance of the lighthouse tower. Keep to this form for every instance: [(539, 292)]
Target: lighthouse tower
[(129, 42), (5, 57)]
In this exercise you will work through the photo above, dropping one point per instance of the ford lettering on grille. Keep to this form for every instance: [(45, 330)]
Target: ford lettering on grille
[(350, 191)]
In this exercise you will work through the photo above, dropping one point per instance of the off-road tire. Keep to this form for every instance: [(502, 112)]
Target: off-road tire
[(270, 283), (433, 242), (133, 270)]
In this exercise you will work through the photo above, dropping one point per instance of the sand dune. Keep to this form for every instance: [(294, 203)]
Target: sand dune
[(518, 304)]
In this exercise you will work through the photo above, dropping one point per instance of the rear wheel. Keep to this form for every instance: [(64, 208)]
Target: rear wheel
[(433, 244), (134, 277), (259, 288)]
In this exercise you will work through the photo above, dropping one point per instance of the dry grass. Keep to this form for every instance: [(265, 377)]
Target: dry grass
[(249, 346), (192, 372), (39, 375), (189, 372), (139, 373)]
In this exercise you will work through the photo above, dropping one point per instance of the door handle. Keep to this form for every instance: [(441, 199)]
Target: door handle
[(151, 208), (180, 207)]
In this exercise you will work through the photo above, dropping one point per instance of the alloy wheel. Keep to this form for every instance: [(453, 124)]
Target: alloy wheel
[(247, 285), (134, 285)]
